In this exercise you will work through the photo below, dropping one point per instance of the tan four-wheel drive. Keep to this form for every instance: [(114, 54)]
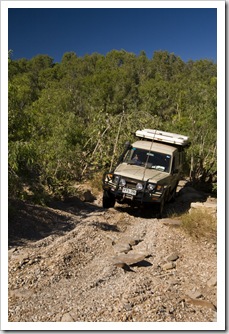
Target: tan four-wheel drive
[(148, 171)]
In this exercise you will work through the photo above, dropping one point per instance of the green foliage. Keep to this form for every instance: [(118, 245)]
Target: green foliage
[(70, 120)]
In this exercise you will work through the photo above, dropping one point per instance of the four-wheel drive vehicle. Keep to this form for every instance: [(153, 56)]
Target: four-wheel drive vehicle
[(148, 171)]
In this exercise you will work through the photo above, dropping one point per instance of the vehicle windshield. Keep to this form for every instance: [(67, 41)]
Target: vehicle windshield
[(151, 160)]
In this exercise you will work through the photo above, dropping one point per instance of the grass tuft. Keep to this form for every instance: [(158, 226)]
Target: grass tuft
[(200, 224)]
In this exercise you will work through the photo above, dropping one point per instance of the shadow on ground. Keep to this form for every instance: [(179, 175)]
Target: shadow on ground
[(106, 227), (142, 263), (29, 222), (180, 205)]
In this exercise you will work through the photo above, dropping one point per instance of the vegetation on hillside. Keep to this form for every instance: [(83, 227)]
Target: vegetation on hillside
[(69, 120)]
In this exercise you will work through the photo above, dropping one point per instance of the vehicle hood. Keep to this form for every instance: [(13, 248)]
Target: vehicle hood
[(140, 173)]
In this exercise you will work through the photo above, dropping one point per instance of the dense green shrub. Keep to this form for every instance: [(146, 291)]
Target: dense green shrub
[(70, 120)]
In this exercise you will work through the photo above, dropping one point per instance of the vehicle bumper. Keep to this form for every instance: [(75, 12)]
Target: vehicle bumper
[(141, 197)]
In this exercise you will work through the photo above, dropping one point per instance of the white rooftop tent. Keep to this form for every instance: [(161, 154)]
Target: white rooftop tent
[(163, 136)]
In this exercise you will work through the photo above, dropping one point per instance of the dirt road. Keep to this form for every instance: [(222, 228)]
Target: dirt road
[(75, 261)]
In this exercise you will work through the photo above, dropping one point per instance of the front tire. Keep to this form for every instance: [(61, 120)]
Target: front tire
[(160, 208), (108, 200)]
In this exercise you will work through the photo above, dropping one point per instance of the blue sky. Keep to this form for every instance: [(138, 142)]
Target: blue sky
[(190, 33)]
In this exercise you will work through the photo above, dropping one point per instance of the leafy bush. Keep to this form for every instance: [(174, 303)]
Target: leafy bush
[(69, 121)]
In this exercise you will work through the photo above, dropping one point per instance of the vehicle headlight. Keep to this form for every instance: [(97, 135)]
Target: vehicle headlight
[(139, 186), (122, 182), (151, 186), (116, 178)]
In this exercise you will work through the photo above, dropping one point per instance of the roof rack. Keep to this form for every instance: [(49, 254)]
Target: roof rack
[(163, 136)]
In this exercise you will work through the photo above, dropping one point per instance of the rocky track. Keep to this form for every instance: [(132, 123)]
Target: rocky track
[(76, 262)]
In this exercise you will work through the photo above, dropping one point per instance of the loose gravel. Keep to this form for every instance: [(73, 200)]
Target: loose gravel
[(76, 269)]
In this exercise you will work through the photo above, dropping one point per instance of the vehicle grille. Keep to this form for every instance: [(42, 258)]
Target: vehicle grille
[(131, 183)]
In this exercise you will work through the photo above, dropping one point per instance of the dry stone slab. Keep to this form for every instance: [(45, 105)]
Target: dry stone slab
[(212, 281), (121, 248), (132, 241), (200, 302), (194, 294), (204, 206), (130, 258), (67, 318), (172, 222), (173, 257), (168, 265)]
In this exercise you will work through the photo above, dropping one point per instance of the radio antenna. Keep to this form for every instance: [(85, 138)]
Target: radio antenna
[(150, 149)]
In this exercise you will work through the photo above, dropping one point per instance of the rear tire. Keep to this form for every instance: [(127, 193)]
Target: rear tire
[(108, 200)]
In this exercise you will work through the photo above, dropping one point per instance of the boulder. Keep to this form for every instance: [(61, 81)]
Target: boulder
[(210, 207), (130, 258)]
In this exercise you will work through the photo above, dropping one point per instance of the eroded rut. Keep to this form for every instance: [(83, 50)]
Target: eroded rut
[(79, 272)]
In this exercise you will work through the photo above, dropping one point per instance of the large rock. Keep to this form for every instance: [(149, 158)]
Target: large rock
[(210, 207), (200, 302), (168, 266), (122, 248), (132, 241), (130, 258)]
